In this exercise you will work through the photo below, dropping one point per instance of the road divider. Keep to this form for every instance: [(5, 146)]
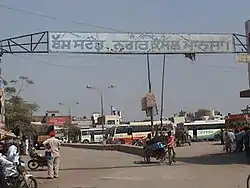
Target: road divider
[(134, 150)]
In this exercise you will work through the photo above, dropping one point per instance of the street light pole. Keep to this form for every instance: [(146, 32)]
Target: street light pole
[(102, 103)]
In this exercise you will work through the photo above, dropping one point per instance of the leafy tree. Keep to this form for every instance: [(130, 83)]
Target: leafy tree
[(17, 110), (202, 112), (182, 113), (190, 117)]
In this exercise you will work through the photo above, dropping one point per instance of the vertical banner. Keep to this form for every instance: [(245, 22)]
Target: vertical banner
[(2, 109)]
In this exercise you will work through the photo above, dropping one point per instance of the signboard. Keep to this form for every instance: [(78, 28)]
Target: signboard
[(58, 120), (143, 104), (139, 43), (243, 58)]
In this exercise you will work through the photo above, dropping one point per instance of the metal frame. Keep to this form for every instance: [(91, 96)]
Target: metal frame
[(240, 43), (39, 43), (30, 43)]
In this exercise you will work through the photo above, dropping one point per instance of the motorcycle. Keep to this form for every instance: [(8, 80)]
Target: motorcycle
[(156, 150), (36, 160), (15, 175), (137, 143)]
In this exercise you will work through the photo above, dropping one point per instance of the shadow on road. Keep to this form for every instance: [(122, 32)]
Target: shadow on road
[(137, 164), (109, 167), (216, 159)]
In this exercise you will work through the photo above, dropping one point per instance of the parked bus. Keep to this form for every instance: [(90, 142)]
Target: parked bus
[(126, 134), (237, 121), (93, 135), (205, 130)]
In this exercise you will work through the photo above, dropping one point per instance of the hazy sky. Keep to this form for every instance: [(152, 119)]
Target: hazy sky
[(213, 81)]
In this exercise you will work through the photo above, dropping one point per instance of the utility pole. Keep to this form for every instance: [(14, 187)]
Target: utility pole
[(102, 103), (150, 90), (102, 113), (162, 89)]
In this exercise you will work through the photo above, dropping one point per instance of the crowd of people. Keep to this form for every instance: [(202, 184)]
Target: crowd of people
[(237, 141)]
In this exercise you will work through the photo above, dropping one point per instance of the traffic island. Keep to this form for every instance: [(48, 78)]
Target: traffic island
[(134, 150)]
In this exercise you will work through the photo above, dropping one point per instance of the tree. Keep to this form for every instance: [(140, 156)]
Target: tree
[(182, 113), (17, 110), (217, 113), (190, 117), (202, 112)]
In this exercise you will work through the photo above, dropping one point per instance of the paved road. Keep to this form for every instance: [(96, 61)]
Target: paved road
[(202, 165)]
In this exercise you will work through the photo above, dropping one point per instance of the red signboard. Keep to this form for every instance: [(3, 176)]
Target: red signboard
[(238, 116), (59, 120)]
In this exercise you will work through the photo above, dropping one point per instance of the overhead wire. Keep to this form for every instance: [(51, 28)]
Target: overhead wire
[(56, 18), (51, 64)]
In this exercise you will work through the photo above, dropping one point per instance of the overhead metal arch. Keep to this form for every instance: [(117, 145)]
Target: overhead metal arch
[(29, 43), (39, 42)]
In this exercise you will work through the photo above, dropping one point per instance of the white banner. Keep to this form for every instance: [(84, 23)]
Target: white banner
[(140, 43)]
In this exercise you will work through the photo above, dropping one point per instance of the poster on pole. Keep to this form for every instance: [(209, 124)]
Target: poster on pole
[(243, 58), (139, 43)]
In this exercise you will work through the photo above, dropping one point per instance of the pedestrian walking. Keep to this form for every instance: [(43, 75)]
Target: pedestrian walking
[(53, 155), (229, 141), (170, 142)]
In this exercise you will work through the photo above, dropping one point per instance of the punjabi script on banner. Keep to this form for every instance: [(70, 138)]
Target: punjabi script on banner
[(140, 43)]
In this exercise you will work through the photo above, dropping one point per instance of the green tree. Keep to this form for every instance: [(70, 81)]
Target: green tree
[(202, 112), (17, 110)]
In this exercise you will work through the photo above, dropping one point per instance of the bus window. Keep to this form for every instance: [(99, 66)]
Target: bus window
[(121, 129), (146, 128), (130, 131), (84, 133), (111, 122), (97, 132)]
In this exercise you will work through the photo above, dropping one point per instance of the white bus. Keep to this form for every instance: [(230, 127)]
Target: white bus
[(93, 135), (120, 133), (205, 130)]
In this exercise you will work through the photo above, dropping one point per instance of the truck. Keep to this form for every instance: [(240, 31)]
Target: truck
[(42, 135)]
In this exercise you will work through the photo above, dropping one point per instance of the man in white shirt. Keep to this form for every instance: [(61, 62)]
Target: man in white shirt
[(52, 152)]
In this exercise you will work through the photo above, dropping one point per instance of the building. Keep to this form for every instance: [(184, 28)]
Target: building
[(109, 120)]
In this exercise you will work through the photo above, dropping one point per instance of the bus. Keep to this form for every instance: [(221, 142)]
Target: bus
[(205, 130), (237, 121), (127, 134), (92, 135)]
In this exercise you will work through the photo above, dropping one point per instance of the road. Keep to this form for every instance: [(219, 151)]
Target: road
[(201, 165)]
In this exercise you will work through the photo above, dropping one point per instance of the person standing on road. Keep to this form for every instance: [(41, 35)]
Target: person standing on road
[(170, 141), (53, 156)]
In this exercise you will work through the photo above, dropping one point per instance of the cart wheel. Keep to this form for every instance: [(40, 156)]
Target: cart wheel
[(248, 181)]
